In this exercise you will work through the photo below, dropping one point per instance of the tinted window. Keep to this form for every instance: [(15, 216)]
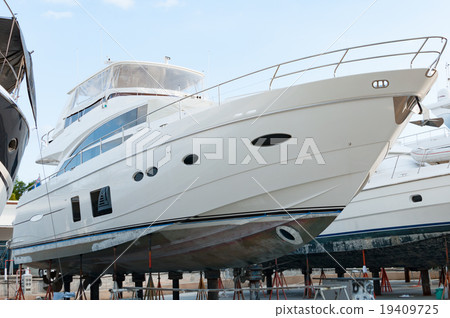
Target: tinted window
[(114, 125), (101, 202), (90, 153), (111, 144), (76, 214), (72, 163), (74, 117)]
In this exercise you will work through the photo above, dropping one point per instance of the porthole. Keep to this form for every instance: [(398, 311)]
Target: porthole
[(190, 159), (36, 218), (151, 172), (13, 144), (270, 140), (416, 198), (288, 234), (138, 176)]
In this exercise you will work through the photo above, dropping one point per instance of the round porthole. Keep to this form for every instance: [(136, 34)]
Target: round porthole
[(151, 172), (13, 144), (416, 198), (190, 159), (138, 176), (288, 234), (270, 140)]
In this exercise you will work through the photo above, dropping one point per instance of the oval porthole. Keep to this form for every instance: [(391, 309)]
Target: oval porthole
[(138, 176), (13, 144), (36, 218), (416, 198), (151, 172), (270, 140), (190, 159), (288, 234)]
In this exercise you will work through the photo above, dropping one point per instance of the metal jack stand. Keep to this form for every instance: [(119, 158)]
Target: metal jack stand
[(277, 282), (385, 284), (201, 294), (49, 293), (159, 292), (81, 295), (238, 293), (19, 293)]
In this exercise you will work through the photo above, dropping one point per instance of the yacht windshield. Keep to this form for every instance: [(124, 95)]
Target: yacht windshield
[(133, 76), (153, 76)]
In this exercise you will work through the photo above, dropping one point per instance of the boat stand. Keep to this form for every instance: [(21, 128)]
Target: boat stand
[(201, 294), (81, 295), (19, 293), (385, 284), (238, 293), (49, 293), (278, 282)]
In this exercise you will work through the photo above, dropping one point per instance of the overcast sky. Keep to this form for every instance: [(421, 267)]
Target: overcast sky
[(223, 39)]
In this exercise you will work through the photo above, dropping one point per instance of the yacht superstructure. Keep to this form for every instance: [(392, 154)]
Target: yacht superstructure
[(145, 165)]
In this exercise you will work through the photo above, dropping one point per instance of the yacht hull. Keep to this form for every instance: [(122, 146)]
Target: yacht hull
[(217, 189), (214, 244), (13, 126)]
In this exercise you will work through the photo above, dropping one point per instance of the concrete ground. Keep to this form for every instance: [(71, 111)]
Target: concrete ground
[(294, 278)]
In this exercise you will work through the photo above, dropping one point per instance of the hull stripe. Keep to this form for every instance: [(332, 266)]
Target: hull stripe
[(385, 229)]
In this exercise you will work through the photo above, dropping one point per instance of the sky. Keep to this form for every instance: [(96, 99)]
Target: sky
[(72, 39)]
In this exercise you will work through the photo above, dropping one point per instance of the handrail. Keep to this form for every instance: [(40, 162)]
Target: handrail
[(277, 67), (438, 132), (45, 140), (420, 164), (412, 61), (430, 68)]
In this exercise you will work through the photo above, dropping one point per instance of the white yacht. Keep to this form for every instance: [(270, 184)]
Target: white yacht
[(15, 65), (144, 165), (401, 218)]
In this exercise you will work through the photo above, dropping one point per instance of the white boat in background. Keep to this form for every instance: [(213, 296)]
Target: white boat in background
[(436, 147), (203, 208), (400, 219), (6, 220)]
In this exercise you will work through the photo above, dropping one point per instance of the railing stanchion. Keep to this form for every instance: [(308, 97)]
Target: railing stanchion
[(273, 77), (395, 167), (218, 93), (334, 73)]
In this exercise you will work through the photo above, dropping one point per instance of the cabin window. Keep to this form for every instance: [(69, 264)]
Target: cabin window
[(105, 138), (127, 120), (101, 201), (76, 213), (74, 117)]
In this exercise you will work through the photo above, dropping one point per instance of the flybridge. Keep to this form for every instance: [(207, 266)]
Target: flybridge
[(139, 77)]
